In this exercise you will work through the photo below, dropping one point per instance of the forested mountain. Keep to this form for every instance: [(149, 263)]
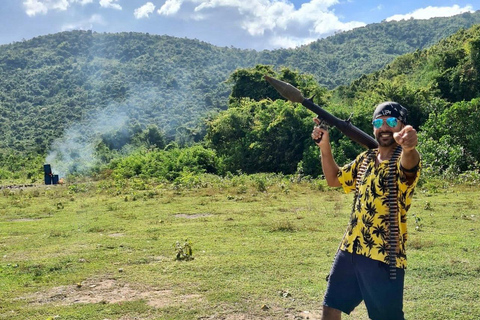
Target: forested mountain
[(441, 87), (340, 59), (113, 86), (49, 83), (261, 132)]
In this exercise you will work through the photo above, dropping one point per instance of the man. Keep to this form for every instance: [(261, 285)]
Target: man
[(369, 265)]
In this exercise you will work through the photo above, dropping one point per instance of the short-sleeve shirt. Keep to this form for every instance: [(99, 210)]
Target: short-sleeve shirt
[(368, 230)]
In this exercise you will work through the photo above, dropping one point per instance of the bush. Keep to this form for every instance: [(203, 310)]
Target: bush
[(166, 164)]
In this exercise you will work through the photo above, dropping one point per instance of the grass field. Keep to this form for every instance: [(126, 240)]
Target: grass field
[(262, 247)]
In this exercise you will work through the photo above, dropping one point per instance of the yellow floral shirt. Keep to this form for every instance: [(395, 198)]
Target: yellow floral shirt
[(367, 233)]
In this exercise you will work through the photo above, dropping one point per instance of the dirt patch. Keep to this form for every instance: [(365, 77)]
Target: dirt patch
[(116, 235), (112, 291), (109, 291), (267, 315)]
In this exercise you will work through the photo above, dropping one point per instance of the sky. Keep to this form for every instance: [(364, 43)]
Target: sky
[(245, 24)]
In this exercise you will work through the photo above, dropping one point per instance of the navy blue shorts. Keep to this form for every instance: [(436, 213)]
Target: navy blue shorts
[(355, 278)]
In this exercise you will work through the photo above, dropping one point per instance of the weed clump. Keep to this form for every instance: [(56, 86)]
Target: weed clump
[(184, 251)]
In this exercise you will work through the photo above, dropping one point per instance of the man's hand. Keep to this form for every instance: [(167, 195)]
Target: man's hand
[(329, 166), (407, 138), (320, 135)]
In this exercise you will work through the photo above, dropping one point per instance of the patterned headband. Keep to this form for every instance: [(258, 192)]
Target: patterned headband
[(391, 109)]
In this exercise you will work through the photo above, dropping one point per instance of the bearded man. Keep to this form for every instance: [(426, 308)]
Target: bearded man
[(370, 263)]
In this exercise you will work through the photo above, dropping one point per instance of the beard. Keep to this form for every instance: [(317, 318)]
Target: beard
[(385, 141)]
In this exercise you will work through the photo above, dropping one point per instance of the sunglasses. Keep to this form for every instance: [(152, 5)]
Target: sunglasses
[(391, 122)]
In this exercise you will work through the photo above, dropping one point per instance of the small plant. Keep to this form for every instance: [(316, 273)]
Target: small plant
[(284, 226), (428, 206), (418, 222), (242, 189), (184, 251), (261, 184)]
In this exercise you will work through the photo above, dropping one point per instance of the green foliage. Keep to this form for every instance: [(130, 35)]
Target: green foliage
[(165, 164), (256, 134), (260, 136), (347, 56), (155, 80), (310, 163), (184, 251), (19, 167), (159, 89), (440, 88), (451, 140), (52, 82), (250, 83)]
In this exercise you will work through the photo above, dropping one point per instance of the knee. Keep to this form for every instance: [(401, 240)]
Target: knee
[(331, 313)]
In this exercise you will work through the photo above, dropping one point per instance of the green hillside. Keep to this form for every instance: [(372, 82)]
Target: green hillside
[(346, 56), (49, 83), (84, 97), (441, 87), (259, 132), (52, 82)]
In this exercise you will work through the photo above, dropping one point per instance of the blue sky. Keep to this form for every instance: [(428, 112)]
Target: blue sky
[(246, 24)]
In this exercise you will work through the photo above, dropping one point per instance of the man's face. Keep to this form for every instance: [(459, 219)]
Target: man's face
[(384, 133)]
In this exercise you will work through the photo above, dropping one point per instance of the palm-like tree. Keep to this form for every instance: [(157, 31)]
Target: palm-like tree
[(403, 218), (371, 209), (382, 183), (373, 191), (367, 239), (353, 223), (384, 218), (382, 248), (380, 231), (367, 221)]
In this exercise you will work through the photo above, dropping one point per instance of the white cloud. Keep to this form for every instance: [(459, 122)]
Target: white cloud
[(144, 11), (87, 24), (288, 42), (110, 4), (83, 2), (274, 22), (61, 5), (34, 7), (278, 20), (170, 7), (431, 12), (97, 19)]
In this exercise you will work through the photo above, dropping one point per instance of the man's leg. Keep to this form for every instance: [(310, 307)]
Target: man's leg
[(343, 293), (331, 314), (383, 297)]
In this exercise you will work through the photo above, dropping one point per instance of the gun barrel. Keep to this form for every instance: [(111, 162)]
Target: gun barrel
[(291, 93), (346, 127)]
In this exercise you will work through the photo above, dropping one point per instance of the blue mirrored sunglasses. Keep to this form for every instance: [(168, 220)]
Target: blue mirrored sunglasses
[(391, 122)]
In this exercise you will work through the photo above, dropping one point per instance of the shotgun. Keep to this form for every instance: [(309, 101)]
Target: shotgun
[(291, 93)]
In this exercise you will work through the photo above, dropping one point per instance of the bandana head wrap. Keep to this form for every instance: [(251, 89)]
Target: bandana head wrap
[(391, 109)]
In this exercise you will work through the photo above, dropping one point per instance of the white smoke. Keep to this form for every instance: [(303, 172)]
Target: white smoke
[(74, 152)]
